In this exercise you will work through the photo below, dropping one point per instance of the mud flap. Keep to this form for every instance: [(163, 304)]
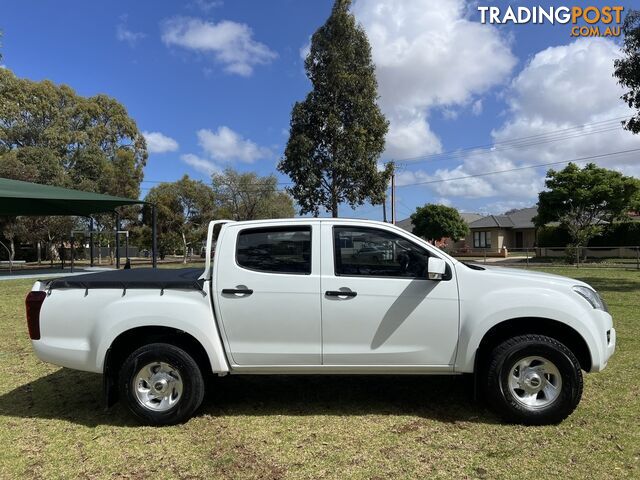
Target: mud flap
[(109, 384), (476, 377)]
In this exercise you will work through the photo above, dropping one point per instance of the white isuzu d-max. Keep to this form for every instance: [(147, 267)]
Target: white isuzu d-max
[(319, 296)]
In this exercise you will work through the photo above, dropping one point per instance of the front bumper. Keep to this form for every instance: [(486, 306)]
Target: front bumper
[(611, 344), (606, 340)]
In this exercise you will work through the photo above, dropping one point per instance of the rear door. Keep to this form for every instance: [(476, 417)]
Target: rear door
[(268, 293)]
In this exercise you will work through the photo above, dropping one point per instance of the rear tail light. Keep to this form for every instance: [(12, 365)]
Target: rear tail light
[(34, 304)]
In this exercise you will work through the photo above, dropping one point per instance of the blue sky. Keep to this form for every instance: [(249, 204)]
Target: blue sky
[(212, 84)]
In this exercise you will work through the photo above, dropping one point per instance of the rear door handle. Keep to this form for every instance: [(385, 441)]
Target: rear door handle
[(233, 291), (338, 293)]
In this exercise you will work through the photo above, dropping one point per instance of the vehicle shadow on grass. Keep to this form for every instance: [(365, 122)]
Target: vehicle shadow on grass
[(64, 395), (77, 397)]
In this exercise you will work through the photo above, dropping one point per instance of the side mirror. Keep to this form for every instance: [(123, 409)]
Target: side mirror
[(436, 268)]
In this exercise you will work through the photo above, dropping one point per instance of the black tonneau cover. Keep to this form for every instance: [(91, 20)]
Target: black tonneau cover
[(181, 278)]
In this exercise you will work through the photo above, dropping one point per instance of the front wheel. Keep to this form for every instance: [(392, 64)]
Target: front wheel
[(534, 380), (161, 384)]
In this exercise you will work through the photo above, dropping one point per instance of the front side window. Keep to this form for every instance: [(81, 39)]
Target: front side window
[(377, 253), (482, 239), (275, 249)]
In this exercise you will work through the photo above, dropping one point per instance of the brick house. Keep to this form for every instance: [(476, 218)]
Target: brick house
[(514, 230)]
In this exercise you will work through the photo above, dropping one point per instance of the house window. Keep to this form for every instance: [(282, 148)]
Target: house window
[(481, 239)]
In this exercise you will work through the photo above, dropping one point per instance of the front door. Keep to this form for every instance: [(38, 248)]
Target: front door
[(519, 242), (378, 307), (268, 293)]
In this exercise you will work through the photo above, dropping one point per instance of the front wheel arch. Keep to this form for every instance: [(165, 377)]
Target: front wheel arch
[(535, 326)]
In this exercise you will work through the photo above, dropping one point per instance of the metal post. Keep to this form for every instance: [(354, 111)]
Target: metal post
[(91, 227), (485, 254), (527, 257), (117, 241), (72, 250), (154, 236)]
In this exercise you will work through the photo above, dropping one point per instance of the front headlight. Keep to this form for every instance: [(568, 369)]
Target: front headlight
[(591, 296)]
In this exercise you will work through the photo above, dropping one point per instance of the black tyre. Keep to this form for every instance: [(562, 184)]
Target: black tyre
[(533, 380), (161, 384)]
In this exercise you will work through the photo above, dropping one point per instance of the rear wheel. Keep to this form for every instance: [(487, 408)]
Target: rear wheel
[(534, 380), (161, 384)]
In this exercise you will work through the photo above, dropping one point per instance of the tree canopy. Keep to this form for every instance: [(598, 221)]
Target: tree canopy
[(184, 210), (434, 222), (337, 133), (247, 196), (585, 200), (51, 135), (627, 69)]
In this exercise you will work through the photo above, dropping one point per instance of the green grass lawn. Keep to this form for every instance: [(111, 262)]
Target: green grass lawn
[(53, 425)]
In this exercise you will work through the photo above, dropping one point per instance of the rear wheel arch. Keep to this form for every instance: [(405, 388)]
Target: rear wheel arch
[(559, 331), (130, 340)]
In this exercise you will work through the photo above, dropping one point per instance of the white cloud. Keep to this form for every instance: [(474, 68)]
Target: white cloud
[(230, 43), (305, 50), (123, 34), (159, 143), (476, 108), (428, 55), (223, 146), (560, 87), (200, 164), (226, 145), (207, 5)]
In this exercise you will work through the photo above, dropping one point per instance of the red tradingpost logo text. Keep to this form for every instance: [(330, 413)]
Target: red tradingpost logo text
[(589, 21)]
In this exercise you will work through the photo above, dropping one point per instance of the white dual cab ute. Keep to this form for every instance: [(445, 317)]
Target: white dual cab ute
[(323, 296)]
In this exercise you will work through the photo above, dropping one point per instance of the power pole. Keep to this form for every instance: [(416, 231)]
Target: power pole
[(393, 197)]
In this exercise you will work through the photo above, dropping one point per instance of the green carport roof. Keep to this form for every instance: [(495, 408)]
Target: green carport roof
[(25, 198)]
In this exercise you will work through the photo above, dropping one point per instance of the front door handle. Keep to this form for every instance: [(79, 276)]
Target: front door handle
[(338, 293), (233, 291)]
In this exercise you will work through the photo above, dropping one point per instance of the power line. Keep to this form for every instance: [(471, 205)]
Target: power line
[(517, 139), (173, 181), (520, 142), (485, 174), (521, 146), (517, 147)]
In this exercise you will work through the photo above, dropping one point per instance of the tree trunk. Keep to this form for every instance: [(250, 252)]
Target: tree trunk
[(334, 194), (53, 252), (12, 254), (184, 243), (110, 252), (334, 203), (39, 249)]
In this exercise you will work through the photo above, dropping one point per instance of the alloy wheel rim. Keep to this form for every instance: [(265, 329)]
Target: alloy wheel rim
[(535, 382), (158, 386)]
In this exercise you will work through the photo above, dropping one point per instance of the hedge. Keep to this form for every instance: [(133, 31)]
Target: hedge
[(624, 234)]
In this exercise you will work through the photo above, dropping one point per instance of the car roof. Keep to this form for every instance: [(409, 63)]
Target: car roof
[(313, 219)]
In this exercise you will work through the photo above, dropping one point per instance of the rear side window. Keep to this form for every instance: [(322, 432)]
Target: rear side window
[(275, 249)]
